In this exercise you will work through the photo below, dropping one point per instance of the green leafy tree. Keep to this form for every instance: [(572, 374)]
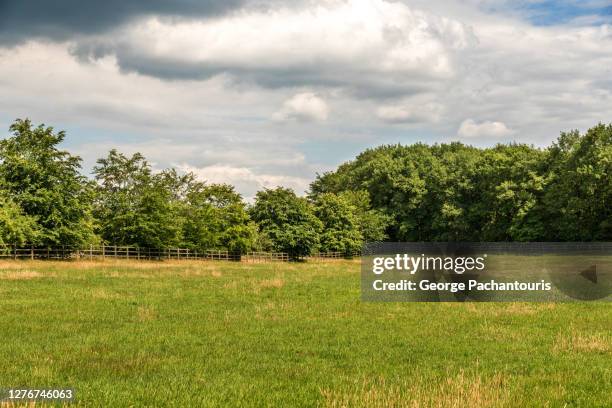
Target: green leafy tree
[(372, 223), (579, 193), (341, 232), (287, 221), (46, 184), (511, 180), (449, 192), (216, 218), (16, 228), (133, 206)]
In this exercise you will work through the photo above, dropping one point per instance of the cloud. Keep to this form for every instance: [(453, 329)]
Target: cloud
[(305, 106), (21, 20), (411, 112), (470, 129), (246, 180), (368, 47)]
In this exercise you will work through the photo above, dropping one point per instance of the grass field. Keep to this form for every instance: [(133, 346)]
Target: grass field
[(230, 334)]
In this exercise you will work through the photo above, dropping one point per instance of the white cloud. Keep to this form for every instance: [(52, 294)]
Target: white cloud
[(246, 180), (471, 129), (355, 43), (304, 106), (414, 112)]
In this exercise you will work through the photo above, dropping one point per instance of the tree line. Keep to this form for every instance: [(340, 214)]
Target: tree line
[(446, 192), (509, 192), (45, 200)]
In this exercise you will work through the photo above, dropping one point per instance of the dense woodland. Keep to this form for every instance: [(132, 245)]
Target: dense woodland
[(446, 192)]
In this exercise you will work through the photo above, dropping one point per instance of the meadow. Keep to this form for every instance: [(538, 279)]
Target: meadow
[(194, 333)]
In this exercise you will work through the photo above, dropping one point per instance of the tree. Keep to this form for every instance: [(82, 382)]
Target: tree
[(287, 220), (46, 185), (133, 206), (448, 192), (372, 223), (341, 232), (216, 218), (16, 228), (579, 193), (511, 180)]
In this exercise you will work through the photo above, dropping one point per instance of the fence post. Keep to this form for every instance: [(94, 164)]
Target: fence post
[(32, 252), (103, 254)]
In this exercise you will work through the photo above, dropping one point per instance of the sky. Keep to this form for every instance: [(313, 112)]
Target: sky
[(261, 93)]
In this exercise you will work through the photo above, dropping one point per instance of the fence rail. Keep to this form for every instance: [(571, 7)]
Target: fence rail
[(324, 256), (257, 257), (127, 252)]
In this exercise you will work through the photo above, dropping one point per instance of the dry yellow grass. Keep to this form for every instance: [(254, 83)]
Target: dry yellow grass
[(582, 343), (506, 309), (230, 285), (456, 391), (266, 311), (146, 313), (7, 404), (99, 293), (271, 283), (525, 309), (23, 274)]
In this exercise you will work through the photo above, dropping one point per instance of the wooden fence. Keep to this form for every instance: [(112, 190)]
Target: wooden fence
[(324, 256), (112, 251), (258, 257), (127, 252)]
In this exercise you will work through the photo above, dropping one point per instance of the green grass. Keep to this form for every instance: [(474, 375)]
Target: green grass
[(231, 334)]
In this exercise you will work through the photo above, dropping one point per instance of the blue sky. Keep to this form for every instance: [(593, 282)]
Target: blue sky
[(259, 93), (554, 12)]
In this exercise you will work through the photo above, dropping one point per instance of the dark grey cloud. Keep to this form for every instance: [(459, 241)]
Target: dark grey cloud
[(321, 74), (62, 19)]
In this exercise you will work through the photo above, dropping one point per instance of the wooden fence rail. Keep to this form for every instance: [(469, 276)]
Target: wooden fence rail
[(323, 256), (127, 252)]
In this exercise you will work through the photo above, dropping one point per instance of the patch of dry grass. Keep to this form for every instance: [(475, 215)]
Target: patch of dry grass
[(582, 343), (456, 391), (230, 285), (270, 283), (146, 314), (100, 293), (525, 309), (10, 404), (7, 264), (507, 309), (24, 274)]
